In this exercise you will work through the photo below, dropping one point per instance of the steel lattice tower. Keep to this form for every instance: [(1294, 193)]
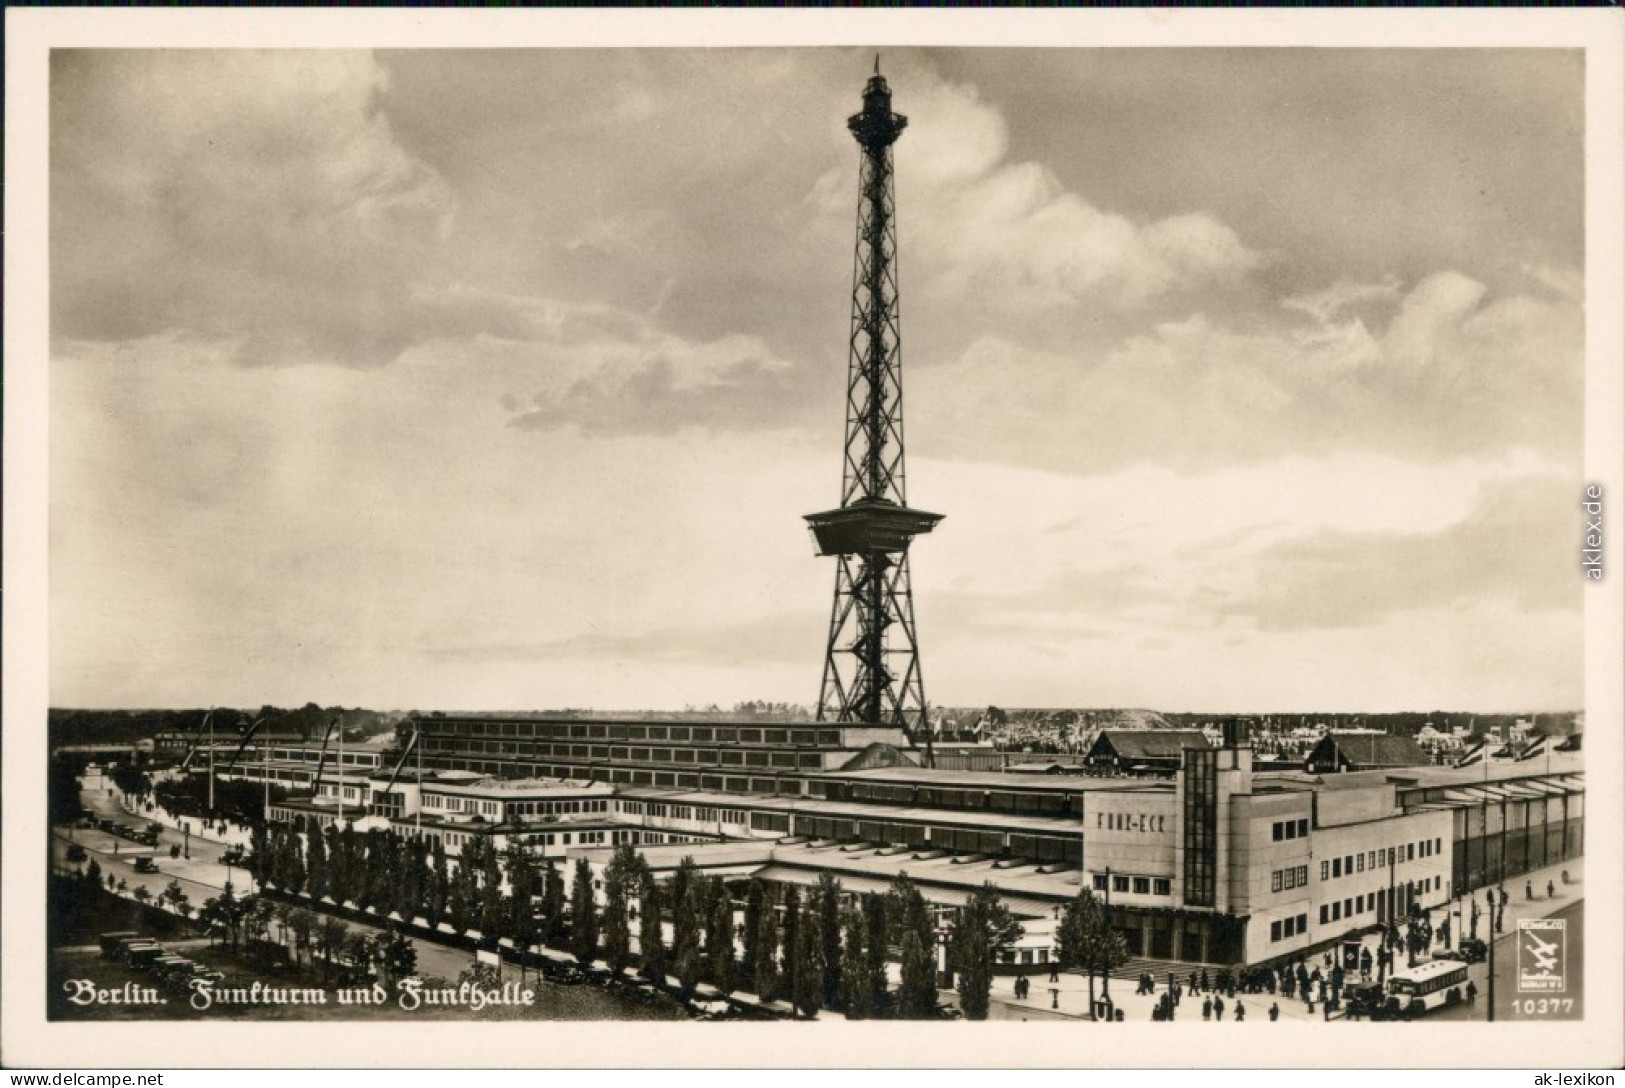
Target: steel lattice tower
[(872, 663)]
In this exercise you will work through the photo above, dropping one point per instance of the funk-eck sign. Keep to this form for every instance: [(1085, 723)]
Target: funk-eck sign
[(1129, 821)]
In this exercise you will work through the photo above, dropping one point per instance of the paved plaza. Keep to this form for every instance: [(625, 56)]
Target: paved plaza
[(1068, 998)]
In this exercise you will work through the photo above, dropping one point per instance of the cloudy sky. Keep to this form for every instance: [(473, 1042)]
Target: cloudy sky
[(1247, 380)]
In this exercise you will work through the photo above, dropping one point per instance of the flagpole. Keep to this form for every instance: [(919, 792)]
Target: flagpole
[(211, 764)]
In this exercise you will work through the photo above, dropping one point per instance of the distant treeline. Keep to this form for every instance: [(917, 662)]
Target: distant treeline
[(1399, 723), (69, 726)]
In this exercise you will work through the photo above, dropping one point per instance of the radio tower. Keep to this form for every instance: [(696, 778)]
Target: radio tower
[(872, 663)]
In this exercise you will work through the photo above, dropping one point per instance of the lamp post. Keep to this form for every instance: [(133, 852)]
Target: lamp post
[(1106, 976)]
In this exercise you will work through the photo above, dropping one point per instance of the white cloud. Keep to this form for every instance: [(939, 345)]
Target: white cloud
[(254, 194), (1009, 237), (1454, 373)]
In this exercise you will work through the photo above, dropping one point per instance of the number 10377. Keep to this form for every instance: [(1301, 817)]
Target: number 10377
[(1544, 1006)]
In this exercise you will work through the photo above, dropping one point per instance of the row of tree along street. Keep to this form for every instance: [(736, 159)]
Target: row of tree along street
[(271, 933), (814, 948)]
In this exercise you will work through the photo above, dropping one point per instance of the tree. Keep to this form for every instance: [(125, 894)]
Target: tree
[(809, 961), (753, 919), (583, 916), (93, 873), (651, 941), (333, 934), (719, 936), (359, 949), (224, 912), (686, 947), (1086, 941), (316, 863), (552, 912), (302, 924), (876, 945), (439, 881), (399, 958), (766, 976), (860, 1003), (790, 927), (616, 918), (488, 894), (519, 909), (910, 918), (916, 995), (984, 930), (827, 897), (685, 919)]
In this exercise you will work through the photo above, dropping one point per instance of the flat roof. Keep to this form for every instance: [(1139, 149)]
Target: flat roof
[(508, 787), (858, 810), (998, 780)]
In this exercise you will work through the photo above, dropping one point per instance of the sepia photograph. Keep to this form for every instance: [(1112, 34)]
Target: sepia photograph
[(490, 578)]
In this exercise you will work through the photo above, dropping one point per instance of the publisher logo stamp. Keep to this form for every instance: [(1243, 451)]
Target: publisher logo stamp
[(1542, 945)]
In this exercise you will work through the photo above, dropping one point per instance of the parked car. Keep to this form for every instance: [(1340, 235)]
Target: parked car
[(145, 865), (113, 943)]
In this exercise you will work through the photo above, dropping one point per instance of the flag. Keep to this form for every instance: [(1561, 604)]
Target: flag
[(1538, 748), (1473, 755)]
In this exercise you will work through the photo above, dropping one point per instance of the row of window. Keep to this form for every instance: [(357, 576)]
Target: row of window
[(629, 776), (314, 755), (1286, 928), (726, 757), (1138, 885), (1284, 880), (1339, 909), (1024, 956), (557, 808), (910, 796), (1350, 864), (455, 803), (706, 734), (1282, 830)]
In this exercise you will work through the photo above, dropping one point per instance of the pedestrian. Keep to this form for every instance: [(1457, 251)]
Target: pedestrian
[(1528, 892), (1204, 980), (1207, 1008), (1241, 1012), (1551, 893), (1472, 992), (1565, 878), (1275, 1012), (1017, 987), (1055, 972)]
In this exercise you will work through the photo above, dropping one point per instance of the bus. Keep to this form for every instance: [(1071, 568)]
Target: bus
[(1430, 985)]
